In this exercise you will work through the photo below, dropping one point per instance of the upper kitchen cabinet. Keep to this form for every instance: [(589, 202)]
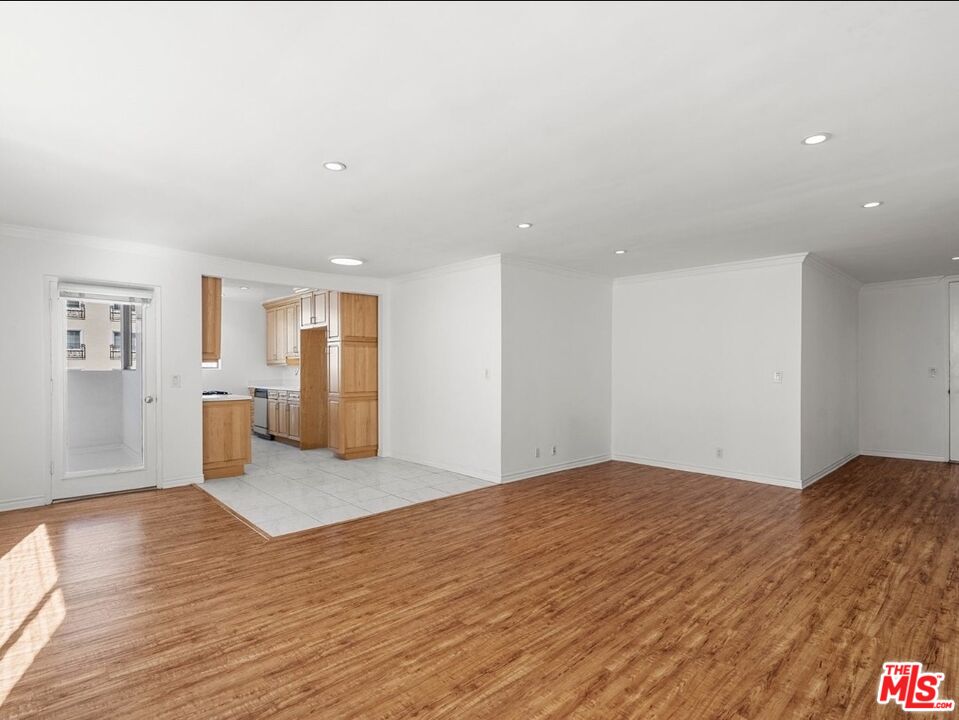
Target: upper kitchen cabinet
[(314, 309), (282, 331), (353, 317), (211, 301)]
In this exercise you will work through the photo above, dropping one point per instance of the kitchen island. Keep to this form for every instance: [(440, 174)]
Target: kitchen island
[(226, 435)]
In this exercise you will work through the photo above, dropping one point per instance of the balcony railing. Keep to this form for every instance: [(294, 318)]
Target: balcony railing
[(116, 312), (78, 352), (116, 352), (78, 312)]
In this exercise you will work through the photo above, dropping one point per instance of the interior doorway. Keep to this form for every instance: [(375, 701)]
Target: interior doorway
[(103, 379)]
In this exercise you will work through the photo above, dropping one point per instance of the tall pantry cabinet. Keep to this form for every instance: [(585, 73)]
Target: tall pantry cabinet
[(352, 348)]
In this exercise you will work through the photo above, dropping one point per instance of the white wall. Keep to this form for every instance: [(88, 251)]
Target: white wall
[(445, 365), (557, 335), (903, 332), (693, 358), (243, 344), (830, 369), (27, 255)]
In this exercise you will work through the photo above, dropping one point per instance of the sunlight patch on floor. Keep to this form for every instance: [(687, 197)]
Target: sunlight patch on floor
[(31, 607)]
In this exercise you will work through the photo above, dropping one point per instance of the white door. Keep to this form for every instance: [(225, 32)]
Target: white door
[(104, 389), (954, 372)]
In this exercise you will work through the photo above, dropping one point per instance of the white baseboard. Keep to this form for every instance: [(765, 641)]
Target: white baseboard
[(180, 482), (460, 469), (903, 456), (24, 502), (558, 467), (717, 472), (828, 469)]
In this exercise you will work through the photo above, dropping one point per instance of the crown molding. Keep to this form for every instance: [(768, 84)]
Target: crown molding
[(902, 283), (440, 270), (539, 266), (813, 260), (210, 264), (757, 264)]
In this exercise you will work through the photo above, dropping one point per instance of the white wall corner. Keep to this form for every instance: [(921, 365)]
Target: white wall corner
[(819, 475)]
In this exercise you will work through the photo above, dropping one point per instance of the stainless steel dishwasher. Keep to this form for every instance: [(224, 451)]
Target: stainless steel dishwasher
[(260, 405)]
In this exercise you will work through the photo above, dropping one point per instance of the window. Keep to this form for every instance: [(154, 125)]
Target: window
[(76, 350), (76, 310)]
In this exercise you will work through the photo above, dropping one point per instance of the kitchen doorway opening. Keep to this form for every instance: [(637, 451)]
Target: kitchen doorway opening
[(103, 380)]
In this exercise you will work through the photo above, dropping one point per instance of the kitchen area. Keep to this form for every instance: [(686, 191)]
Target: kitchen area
[(299, 364), (290, 410)]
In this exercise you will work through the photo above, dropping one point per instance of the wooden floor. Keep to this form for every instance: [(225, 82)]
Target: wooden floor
[(617, 591)]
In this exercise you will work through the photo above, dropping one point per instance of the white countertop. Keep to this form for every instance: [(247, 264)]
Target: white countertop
[(223, 398), (277, 387)]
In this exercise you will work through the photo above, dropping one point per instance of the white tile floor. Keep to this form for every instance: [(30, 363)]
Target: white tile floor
[(286, 490)]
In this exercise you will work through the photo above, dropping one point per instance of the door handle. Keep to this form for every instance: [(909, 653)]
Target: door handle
[(148, 399)]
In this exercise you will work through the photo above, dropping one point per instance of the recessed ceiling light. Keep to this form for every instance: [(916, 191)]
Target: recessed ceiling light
[(620, 252), (525, 226), (874, 203), (345, 261), (335, 165), (244, 287), (816, 139)]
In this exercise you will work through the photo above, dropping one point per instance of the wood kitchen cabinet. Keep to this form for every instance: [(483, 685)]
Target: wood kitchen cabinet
[(272, 414), (293, 331), (313, 309), (272, 353), (352, 380), (211, 300), (294, 431), (226, 437), (282, 331), (283, 416)]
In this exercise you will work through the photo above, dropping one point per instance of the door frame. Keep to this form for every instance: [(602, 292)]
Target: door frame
[(55, 375), (947, 282)]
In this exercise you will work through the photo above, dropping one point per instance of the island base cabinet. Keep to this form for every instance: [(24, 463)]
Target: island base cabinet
[(226, 438)]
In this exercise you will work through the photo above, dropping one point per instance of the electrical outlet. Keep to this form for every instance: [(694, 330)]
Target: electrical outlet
[(553, 451), (933, 373), (719, 453), (778, 377), (537, 452), (176, 381)]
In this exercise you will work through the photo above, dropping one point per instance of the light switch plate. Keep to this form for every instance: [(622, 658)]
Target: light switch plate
[(778, 377)]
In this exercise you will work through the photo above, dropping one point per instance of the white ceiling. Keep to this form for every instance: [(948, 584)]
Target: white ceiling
[(670, 129)]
